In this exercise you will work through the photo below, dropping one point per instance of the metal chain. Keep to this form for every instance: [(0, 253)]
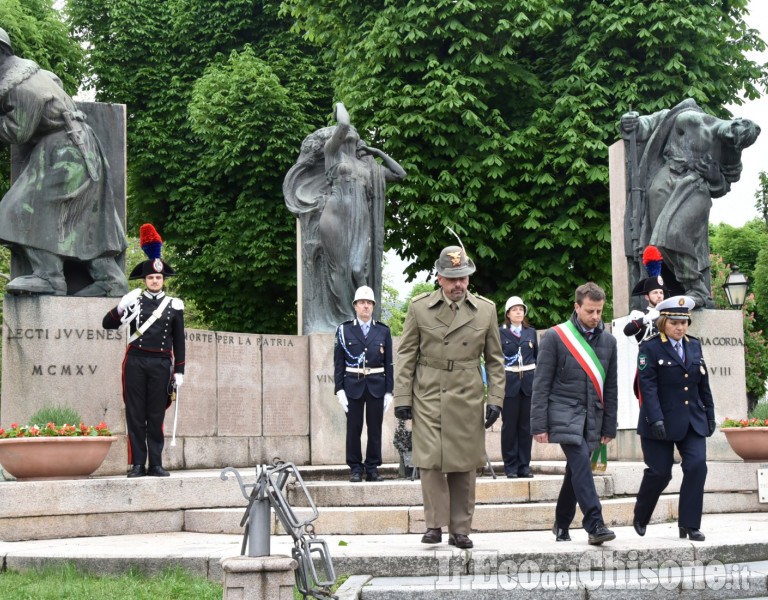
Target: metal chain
[(307, 547)]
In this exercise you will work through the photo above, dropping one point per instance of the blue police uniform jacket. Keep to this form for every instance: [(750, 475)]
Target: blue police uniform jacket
[(673, 390), (355, 351), (528, 346)]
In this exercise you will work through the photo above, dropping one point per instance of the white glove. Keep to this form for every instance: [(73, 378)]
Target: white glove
[(388, 399), (636, 314), (179, 379), (128, 300), (649, 317), (342, 396)]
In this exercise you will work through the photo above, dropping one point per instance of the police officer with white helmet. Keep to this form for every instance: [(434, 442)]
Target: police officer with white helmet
[(364, 380)]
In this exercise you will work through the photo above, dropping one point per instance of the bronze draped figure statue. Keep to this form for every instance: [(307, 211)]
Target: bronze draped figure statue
[(337, 189), (61, 205), (678, 161)]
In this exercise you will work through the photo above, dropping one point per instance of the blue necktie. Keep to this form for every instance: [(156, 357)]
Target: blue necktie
[(679, 348), (517, 331), (364, 327)]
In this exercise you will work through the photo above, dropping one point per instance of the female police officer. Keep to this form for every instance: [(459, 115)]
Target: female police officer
[(520, 347), (676, 409)]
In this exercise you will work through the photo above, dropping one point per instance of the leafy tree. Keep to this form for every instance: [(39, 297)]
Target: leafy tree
[(761, 195), (739, 245), (502, 114), (38, 33), (220, 96), (755, 341)]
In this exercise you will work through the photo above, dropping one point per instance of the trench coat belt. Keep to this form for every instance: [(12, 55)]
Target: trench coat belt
[(365, 370), (448, 365), (518, 369)]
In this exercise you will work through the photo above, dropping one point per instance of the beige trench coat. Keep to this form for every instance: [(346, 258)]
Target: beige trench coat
[(438, 374)]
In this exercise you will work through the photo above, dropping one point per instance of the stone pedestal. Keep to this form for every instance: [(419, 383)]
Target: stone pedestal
[(258, 578), (55, 352)]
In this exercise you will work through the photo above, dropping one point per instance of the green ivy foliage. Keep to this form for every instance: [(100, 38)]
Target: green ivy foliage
[(220, 95), (502, 113)]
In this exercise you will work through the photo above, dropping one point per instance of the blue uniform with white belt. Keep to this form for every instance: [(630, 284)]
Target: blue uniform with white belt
[(363, 369), (674, 389), (520, 348)]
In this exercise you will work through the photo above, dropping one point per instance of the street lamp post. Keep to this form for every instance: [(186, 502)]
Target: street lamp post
[(735, 287)]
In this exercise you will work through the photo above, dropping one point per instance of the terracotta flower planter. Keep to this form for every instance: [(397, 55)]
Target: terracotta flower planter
[(41, 458), (750, 443)]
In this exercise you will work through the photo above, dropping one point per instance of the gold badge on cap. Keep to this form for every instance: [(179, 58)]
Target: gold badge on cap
[(455, 258), (681, 302)]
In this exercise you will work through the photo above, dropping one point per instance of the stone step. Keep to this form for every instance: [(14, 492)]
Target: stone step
[(513, 581), (410, 519), (403, 492), (731, 538), (201, 501)]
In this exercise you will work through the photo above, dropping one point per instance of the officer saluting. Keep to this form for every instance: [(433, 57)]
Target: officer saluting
[(362, 359), (643, 324), (154, 357), (676, 409)]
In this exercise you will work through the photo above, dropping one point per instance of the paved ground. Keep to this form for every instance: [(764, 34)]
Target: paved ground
[(730, 538)]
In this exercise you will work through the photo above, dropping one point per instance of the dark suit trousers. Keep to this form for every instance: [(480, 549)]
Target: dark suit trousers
[(516, 436), (145, 391), (578, 486), (658, 455), (372, 409)]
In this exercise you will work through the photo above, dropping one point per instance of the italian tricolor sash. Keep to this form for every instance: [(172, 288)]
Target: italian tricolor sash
[(583, 354)]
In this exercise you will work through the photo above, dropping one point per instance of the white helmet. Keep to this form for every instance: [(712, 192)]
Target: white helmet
[(364, 293), (515, 301)]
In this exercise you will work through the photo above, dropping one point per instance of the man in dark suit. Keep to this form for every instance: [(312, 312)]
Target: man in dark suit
[(676, 409), (574, 404), (362, 361)]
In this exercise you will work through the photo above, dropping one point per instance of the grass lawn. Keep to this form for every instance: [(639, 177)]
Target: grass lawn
[(67, 582)]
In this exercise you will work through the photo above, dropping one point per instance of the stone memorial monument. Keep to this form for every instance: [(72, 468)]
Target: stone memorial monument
[(63, 216), (663, 177), (337, 191), (679, 160)]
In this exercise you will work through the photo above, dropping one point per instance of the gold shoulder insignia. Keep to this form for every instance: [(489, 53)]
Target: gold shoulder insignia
[(420, 296), (663, 337)]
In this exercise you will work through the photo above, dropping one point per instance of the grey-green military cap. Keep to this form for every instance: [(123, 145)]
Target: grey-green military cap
[(454, 262)]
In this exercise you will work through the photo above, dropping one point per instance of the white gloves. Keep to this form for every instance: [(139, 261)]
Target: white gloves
[(387, 401), (342, 396), (650, 316), (179, 379), (127, 300), (636, 314)]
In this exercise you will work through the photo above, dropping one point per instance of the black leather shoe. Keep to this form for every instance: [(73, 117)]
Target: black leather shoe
[(433, 536), (525, 475), (561, 533), (511, 475), (460, 541), (157, 471), (356, 477), (692, 534), (601, 534), (137, 471), (375, 476), (639, 527)]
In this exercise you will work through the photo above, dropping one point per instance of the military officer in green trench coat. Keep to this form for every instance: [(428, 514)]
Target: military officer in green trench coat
[(439, 384)]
